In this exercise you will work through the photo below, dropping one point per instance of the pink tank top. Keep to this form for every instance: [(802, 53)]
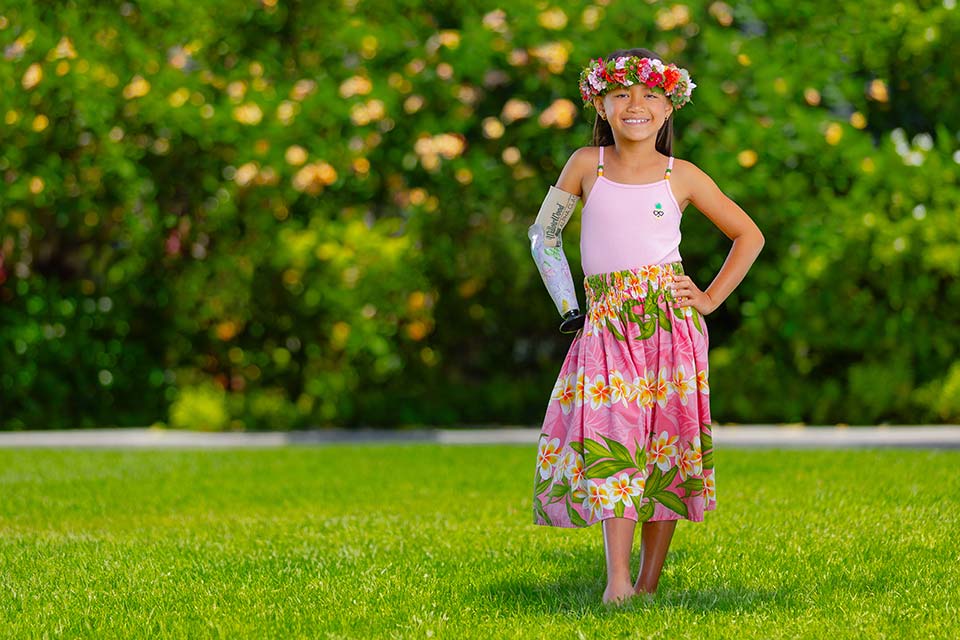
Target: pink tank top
[(629, 225)]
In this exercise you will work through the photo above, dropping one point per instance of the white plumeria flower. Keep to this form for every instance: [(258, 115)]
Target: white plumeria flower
[(575, 471), (710, 489), (639, 483), (565, 392), (560, 469), (661, 390), (662, 449), (620, 488), (547, 456), (599, 392), (598, 498), (644, 390), (620, 390), (682, 385), (703, 384), (690, 463)]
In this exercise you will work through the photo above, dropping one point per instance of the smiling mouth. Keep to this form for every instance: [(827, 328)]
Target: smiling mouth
[(636, 121)]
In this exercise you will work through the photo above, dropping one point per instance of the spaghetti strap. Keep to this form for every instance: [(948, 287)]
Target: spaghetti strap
[(600, 164), (666, 175)]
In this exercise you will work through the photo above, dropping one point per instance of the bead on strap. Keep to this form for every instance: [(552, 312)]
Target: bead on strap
[(669, 169)]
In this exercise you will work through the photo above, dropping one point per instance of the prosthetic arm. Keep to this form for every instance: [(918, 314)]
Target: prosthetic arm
[(547, 249)]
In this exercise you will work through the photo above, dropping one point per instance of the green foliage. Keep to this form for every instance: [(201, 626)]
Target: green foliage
[(324, 211), (203, 408)]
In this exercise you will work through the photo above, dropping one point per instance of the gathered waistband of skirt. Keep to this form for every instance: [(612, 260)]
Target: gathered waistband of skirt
[(630, 281)]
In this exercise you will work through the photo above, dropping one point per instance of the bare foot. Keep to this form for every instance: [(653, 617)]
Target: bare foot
[(618, 594), (641, 592)]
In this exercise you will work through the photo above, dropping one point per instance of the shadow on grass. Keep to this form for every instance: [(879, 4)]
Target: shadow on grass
[(581, 590)]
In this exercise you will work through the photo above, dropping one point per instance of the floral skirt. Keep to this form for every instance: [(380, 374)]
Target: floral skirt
[(627, 429)]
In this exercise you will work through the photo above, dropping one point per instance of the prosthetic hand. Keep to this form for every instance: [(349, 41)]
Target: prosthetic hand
[(547, 250)]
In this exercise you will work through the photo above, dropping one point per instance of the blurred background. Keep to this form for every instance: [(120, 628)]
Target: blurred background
[(266, 214)]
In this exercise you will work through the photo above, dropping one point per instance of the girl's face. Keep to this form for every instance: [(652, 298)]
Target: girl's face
[(635, 112)]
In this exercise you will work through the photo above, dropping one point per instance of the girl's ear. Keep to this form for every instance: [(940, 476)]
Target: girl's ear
[(598, 105)]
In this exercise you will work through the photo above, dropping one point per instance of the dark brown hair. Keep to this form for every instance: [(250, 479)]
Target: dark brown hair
[(603, 134)]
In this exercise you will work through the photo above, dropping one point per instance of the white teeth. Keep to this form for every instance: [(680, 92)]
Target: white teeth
[(641, 120)]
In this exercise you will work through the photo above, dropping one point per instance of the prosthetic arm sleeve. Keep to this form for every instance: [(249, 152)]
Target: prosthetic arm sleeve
[(547, 250), (554, 214)]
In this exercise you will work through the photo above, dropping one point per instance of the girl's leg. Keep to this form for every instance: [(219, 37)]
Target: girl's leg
[(654, 541), (618, 543)]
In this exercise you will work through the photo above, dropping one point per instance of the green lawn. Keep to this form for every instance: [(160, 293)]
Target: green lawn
[(423, 540)]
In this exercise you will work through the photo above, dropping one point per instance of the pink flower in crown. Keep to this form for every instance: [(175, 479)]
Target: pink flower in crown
[(598, 83), (643, 69), (654, 79), (620, 75)]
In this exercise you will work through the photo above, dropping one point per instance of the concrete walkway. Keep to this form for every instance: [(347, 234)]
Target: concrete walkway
[(762, 436)]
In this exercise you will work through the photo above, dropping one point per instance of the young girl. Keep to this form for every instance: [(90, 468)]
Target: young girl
[(627, 437)]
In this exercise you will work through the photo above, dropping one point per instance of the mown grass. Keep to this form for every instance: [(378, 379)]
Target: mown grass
[(421, 540)]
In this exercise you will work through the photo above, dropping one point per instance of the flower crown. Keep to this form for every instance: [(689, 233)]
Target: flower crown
[(600, 75)]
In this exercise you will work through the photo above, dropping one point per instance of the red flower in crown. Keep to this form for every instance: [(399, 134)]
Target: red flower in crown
[(672, 76), (654, 79)]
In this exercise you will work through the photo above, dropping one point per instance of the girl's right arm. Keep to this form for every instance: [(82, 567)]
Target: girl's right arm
[(578, 166)]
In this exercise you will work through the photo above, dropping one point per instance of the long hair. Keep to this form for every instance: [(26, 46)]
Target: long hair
[(603, 134)]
